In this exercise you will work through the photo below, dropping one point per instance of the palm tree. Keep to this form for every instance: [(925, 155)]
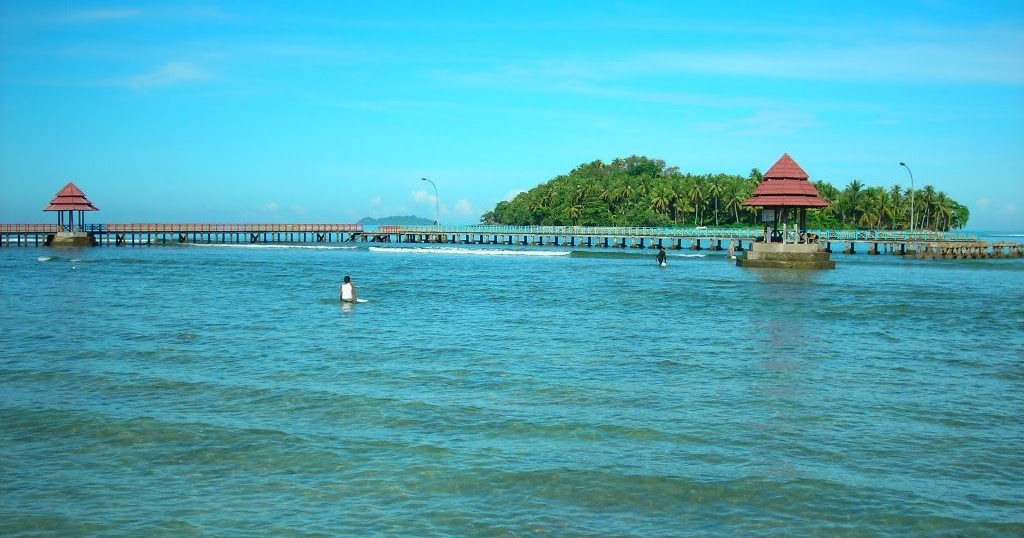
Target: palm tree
[(896, 205), (714, 191), (611, 196), (660, 199), (735, 195), (879, 200), (696, 196), (672, 190), (942, 212), (960, 216), (850, 200), (928, 197), (573, 213)]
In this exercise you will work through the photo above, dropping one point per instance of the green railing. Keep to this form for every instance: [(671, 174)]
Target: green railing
[(611, 231), (683, 232), (690, 232)]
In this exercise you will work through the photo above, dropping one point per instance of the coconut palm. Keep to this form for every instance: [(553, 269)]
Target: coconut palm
[(850, 200), (696, 196), (927, 197), (660, 199), (714, 191)]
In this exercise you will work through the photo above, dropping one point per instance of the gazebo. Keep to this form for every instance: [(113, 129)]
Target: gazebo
[(786, 192), (786, 188), (69, 200)]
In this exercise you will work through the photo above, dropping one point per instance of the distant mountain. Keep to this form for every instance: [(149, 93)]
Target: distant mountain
[(409, 220)]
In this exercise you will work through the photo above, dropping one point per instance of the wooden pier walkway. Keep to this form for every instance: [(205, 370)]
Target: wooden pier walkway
[(919, 244)]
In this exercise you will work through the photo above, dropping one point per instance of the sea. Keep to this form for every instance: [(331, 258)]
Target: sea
[(223, 390)]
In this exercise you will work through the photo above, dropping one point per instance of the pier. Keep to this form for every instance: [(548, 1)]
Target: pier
[(916, 244), (164, 234)]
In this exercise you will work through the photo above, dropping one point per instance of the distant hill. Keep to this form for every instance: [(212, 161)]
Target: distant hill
[(396, 221)]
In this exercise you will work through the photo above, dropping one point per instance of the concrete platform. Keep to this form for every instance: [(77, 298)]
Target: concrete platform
[(786, 256), (71, 239)]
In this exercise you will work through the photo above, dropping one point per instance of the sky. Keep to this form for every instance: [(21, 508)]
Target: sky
[(328, 112)]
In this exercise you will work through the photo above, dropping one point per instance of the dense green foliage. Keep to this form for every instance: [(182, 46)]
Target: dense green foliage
[(639, 191)]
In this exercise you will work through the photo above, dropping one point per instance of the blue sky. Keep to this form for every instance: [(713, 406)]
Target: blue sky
[(331, 111)]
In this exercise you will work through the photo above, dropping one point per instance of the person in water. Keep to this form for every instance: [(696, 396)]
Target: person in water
[(348, 290), (661, 255)]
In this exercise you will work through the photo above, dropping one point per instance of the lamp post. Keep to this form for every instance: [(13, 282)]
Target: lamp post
[(437, 202), (904, 165)]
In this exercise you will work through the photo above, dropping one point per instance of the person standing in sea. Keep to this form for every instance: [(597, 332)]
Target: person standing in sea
[(661, 255)]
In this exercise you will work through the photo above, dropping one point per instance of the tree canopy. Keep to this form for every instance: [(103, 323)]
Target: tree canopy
[(640, 191)]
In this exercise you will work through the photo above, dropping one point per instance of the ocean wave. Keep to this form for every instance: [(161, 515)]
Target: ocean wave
[(628, 254), (48, 259), (466, 251)]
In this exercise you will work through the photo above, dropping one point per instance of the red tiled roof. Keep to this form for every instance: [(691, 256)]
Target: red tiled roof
[(786, 168), (785, 201), (783, 187), (786, 185), (71, 198)]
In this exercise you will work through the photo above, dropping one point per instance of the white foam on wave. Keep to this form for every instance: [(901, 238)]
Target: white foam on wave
[(466, 251), (272, 246), (45, 259)]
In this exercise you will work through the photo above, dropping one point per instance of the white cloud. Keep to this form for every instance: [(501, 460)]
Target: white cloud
[(985, 59), (464, 208), (978, 55), (272, 207), (100, 15), (169, 75), (423, 196)]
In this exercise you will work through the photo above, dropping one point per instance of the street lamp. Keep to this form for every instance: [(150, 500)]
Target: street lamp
[(437, 202), (904, 165)]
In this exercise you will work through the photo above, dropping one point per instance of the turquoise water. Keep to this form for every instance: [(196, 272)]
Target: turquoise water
[(223, 391)]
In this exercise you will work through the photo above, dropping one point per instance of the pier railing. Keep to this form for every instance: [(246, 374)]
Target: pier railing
[(686, 232), (29, 228), (892, 235), (228, 228), (183, 228), (616, 231)]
